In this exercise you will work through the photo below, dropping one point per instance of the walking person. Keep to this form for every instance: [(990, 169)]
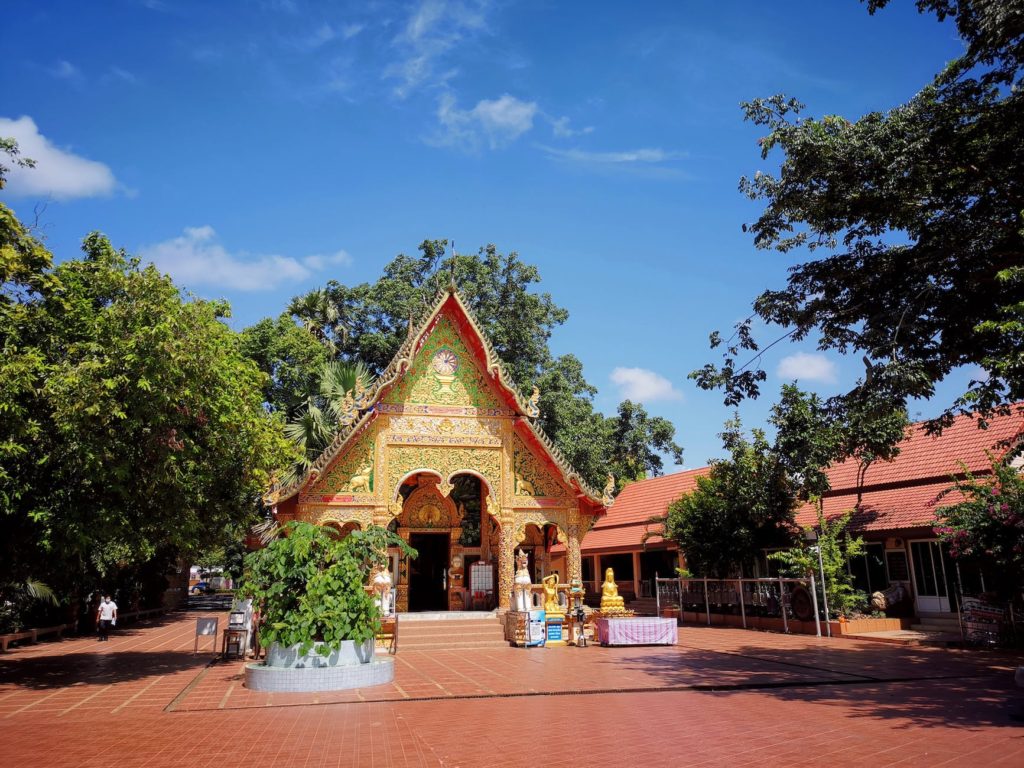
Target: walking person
[(106, 617)]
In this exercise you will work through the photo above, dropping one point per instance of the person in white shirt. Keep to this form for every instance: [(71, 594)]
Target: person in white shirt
[(106, 617)]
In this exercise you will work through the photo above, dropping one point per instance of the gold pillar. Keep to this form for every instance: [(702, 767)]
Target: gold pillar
[(573, 563), (506, 564)]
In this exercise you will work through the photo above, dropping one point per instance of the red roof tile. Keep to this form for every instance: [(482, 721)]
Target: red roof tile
[(886, 509), (626, 521), (925, 456)]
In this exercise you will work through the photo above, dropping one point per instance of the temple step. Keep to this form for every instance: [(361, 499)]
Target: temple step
[(463, 633)]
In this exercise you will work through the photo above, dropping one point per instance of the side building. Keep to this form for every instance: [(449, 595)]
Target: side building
[(894, 505)]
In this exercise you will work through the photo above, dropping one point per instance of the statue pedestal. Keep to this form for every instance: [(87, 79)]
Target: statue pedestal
[(555, 629)]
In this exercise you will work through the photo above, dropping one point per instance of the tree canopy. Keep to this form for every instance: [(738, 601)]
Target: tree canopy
[(132, 422), (743, 506), (919, 212)]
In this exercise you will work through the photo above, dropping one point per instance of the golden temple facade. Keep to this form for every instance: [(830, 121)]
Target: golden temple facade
[(443, 431)]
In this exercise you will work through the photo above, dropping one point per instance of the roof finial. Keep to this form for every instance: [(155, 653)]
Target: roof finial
[(451, 279)]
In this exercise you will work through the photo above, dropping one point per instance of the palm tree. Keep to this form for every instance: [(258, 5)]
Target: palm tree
[(319, 315), (316, 423)]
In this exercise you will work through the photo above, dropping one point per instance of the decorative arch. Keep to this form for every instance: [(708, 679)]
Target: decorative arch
[(397, 488), (488, 483)]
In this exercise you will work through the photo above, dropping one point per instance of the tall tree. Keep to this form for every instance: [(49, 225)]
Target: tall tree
[(291, 358), (133, 425), (743, 506), (920, 212), (637, 442)]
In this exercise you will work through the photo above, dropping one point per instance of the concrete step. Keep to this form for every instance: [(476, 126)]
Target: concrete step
[(937, 627), (441, 629), (439, 636), (403, 645)]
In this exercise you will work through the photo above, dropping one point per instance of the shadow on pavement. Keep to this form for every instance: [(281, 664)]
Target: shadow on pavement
[(87, 668)]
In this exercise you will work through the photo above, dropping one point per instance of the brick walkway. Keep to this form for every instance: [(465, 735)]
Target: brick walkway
[(722, 696)]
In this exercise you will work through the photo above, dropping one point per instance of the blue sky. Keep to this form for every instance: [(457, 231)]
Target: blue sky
[(255, 150)]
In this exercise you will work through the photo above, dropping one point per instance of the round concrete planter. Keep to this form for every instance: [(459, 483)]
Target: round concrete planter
[(348, 654), (350, 666)]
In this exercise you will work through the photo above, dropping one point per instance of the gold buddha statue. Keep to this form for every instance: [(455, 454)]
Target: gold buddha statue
[(611, 602)]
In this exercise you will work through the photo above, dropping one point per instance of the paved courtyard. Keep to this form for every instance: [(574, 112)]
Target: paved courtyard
[(722, 696)]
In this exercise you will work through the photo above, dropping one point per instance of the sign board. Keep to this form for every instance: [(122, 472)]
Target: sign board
[(205, 627), (535, 628), (554, 631)]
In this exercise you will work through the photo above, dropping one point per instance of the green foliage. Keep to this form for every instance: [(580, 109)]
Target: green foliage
[(743, 506), (918, 212), (317, 421), (837, 547), (309, 585), (9, 147), (132, 423), (290, 357), (987, 526), (813, 434), (636, 439)]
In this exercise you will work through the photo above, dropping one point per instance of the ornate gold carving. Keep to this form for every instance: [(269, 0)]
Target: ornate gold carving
[(444, 372), (404, 459), (531, 477), (427, 508), (533, 406), (607, 496), (352, 472)]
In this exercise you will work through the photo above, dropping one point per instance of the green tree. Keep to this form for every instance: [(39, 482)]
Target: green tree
[(743, 506), (837, 546), (291, 358), (133, 425), (636, 439), (309, 585), (987, 525), (918, 211)]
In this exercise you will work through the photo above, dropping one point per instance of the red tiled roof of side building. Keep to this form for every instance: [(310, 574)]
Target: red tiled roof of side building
[(886, 509), (924, 456), (625, 523)]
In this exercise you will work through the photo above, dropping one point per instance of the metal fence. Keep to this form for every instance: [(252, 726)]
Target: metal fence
[(783, 598)]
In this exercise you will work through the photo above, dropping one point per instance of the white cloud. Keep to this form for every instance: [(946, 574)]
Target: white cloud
[(560, 127), (650, 155), (500, 121), (643, 385), (434, 28), (65, 70), (196, 258), (58, 173), (807, 367)]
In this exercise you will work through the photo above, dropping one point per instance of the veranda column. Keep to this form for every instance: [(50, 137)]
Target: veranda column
[(636, 574), (574, 563), (506, 564)]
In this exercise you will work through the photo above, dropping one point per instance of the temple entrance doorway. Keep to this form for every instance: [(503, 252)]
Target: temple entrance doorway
[(428, 573)]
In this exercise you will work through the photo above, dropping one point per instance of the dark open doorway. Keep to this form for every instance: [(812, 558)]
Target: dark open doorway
[(427, 578)]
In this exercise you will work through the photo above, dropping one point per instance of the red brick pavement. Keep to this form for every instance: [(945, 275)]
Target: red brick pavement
[(841, 702)]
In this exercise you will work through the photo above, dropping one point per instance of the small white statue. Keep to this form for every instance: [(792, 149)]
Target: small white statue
[(523, 583), (381, 584)]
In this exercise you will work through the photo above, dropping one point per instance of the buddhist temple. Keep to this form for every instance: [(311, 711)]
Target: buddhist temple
[(445, 451)]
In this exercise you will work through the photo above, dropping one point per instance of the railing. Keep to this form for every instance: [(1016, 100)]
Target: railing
[(33, 635), (753, 597)]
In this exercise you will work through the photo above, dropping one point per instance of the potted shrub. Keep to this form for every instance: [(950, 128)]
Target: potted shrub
[(309, 587)]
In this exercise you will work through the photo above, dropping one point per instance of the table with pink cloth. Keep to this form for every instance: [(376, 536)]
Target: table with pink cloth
[(637, 630)]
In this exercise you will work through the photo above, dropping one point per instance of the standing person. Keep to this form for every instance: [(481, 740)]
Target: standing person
[(106, 616)]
